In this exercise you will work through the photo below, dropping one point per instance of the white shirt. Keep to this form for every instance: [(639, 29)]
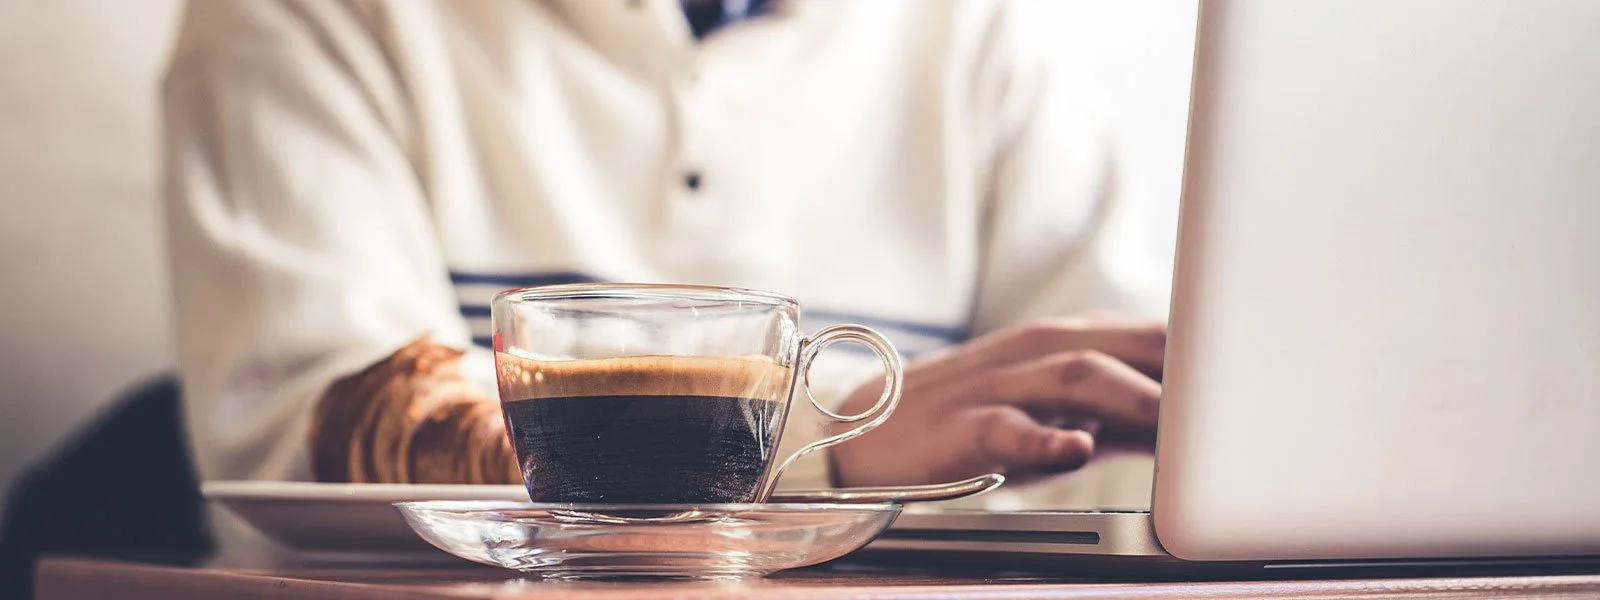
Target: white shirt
[(346, 175)]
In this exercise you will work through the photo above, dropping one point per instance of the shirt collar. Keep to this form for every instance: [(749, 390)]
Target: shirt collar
[(650, 36)]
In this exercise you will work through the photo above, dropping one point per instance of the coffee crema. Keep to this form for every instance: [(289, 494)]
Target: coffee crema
[(661, 429)]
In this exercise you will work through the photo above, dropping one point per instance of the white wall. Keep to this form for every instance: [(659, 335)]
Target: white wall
[(82, 312)]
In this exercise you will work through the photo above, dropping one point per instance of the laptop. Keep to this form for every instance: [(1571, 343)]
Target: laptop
[(1384, 345)]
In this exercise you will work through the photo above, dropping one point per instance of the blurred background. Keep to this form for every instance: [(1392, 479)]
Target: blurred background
[(81, 256)]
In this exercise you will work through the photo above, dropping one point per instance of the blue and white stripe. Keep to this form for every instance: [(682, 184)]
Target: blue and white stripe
[(475, 290)]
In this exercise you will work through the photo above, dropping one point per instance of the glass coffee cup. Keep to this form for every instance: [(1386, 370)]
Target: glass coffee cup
[(662, 394)]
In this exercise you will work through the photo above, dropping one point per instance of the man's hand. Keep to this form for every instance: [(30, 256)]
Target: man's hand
[(1021, 400)]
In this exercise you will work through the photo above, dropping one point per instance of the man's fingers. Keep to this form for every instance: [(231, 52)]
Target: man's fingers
[(1081, 382), (1137, 343), (1008, 437), (1140, 344)]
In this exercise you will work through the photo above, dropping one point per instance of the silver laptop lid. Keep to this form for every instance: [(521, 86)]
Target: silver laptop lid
[(1386, 329)]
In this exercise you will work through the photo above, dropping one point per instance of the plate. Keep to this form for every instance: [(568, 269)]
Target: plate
[(711, 541), (342, 519)]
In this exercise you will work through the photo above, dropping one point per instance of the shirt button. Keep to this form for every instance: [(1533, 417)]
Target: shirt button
[(691, 181)]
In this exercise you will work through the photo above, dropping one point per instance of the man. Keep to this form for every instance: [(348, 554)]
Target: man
[(349, 182)]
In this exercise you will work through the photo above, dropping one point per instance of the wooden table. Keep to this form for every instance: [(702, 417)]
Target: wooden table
[(68, 578)]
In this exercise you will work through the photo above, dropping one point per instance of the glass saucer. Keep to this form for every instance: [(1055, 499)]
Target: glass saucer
[(716, 541)]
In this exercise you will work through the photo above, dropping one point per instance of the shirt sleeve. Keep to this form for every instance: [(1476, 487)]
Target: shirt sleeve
[(1060, 237), (300, 241)]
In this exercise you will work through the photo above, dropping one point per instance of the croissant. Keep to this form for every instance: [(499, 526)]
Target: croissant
[(411, 418)]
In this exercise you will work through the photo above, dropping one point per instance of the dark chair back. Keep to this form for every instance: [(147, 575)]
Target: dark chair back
[(124, 486)]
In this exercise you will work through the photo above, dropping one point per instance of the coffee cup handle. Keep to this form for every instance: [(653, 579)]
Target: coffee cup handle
[(893, 376)]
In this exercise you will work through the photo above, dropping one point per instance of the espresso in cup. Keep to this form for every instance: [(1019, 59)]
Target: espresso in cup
[(644, 429), (632, 394)]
